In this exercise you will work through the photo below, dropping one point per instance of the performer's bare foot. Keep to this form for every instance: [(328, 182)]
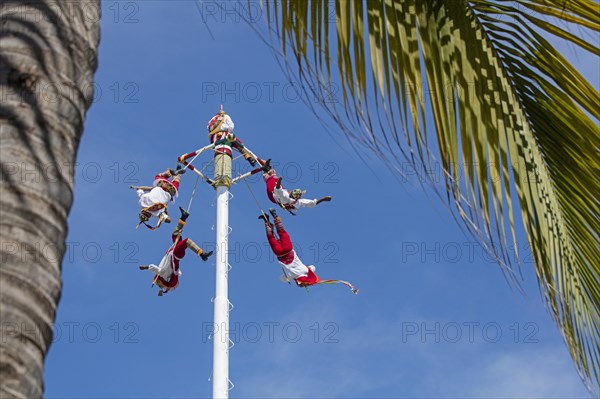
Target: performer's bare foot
[(143, 267), (324, 199)]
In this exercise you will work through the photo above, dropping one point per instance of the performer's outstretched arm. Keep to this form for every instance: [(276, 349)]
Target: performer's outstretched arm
[(143, 188)]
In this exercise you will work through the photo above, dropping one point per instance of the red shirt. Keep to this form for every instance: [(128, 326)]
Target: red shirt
[(271, 183)]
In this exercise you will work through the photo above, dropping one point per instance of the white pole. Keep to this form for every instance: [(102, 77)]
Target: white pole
[(221, 301)]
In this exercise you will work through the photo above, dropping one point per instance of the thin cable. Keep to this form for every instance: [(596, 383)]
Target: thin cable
[(193, 193), (188, 210), (190, 162), (255, 200), (208, 163)]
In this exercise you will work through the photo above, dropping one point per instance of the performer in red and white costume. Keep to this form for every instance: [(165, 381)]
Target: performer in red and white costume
[(293, 268), (288, 200), (168, 272), (155, 199), (220, 129)]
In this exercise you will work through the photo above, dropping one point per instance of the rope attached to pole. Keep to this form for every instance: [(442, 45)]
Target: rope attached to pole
[(193, 194), (188, 210), (254, 196)]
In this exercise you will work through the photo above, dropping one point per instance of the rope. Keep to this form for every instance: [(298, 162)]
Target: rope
[(208, 163), (190, 162), (266, 216), (193, 193), (188, 209), (255, 200)]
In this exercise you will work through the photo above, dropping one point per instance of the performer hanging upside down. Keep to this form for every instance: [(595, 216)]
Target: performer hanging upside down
[(167, 272), (220, 131), (288, 200), (155, 199), (292, 266)]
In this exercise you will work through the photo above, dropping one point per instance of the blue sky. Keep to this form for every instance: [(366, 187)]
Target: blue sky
[(434, 318)]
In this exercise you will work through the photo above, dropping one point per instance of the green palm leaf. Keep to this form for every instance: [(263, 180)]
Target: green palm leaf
[(513, 123)]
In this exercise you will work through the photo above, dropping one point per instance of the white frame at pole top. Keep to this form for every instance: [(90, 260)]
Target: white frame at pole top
[(221, 301)]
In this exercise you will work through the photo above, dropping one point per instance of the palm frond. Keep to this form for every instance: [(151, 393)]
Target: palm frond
[(513, 123)]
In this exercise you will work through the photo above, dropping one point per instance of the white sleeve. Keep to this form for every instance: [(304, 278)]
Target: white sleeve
[(306, 203), (282, 195), (228, 124), (153, 268)]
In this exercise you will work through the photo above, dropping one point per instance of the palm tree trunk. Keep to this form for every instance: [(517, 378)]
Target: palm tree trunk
[(48, 56)]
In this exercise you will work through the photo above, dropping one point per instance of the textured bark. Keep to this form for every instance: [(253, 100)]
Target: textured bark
[(48, 55)]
